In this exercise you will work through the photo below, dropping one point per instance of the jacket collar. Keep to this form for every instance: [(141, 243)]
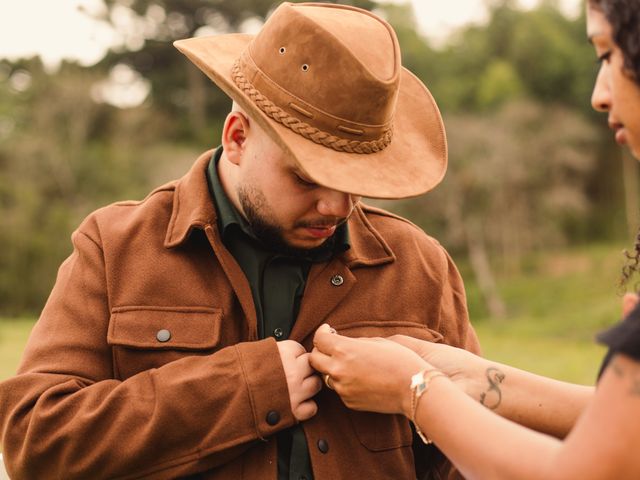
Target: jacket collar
[(192, 205), (194, 208)]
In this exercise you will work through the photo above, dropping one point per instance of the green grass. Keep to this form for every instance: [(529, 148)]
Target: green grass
[(13, 337), (555, 310), (566, 359)]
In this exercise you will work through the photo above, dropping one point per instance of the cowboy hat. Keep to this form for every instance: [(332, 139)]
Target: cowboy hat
[(326, 83)]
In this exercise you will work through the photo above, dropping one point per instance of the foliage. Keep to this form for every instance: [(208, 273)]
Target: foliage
[(528, 167), (511, 183)]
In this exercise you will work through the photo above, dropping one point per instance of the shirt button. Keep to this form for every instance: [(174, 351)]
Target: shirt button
[(337, 280), (323, 445), (278, 333), (273, 417), (163, 335)]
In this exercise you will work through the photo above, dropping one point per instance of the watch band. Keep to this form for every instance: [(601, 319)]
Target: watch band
[(419, 385)]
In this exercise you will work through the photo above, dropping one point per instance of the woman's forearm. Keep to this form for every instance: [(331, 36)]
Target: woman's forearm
[(541, 403), (501, 449), (485, 446)]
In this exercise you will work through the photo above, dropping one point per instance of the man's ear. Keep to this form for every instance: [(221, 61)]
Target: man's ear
[(234, 134)]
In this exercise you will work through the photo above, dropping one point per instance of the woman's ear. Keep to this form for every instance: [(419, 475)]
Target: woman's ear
[(234, 134)]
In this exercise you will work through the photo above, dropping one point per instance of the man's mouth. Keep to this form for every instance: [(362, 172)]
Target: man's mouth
[(323, 231)]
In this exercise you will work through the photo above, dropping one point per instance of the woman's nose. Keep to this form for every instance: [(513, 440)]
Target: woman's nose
[(601, 96)]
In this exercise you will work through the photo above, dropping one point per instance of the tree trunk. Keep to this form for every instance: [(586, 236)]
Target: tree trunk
[(482, 270)]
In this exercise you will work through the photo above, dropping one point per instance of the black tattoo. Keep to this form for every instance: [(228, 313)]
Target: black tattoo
[(495, 377)]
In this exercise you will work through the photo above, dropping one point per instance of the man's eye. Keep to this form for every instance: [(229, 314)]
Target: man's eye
[(304, 182)]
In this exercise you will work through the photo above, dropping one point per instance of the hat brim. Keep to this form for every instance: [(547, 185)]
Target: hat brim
[(413, 163)]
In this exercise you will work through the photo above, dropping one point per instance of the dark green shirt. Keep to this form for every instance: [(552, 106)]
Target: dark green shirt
[(277, 284)]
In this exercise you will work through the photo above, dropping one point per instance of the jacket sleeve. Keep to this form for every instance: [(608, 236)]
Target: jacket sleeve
[(453, 324), (454, 317), (65, 416)]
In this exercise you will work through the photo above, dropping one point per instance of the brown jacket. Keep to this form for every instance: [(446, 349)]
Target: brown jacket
[(98, 395)]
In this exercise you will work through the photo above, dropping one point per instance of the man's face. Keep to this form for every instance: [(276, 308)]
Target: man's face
[(284, 208)]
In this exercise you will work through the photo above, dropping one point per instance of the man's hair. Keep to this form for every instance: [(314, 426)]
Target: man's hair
[(624, 17)]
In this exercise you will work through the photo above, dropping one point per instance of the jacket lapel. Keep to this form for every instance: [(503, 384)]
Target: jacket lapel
[(329, 283)]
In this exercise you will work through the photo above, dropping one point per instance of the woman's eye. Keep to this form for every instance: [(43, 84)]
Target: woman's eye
[(604, 57)]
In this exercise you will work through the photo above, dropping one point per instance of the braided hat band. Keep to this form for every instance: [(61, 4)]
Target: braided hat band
[(302, 128)]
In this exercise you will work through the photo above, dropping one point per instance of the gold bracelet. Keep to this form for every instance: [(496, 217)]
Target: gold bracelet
[(419, 385)]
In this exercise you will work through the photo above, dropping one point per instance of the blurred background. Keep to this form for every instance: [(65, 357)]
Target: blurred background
[(97, 106)]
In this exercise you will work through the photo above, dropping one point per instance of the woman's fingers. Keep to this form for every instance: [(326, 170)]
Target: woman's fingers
[(327, 340), (320, 361)]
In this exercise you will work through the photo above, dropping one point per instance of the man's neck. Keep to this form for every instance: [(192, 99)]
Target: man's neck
[(227, 173)]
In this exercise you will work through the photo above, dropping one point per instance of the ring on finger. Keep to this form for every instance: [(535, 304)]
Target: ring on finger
[(327, 381)]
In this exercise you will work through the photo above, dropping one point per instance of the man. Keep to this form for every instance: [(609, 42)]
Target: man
[(175, 340)]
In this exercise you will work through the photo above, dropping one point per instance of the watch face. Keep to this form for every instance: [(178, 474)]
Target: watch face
[(417, 382)]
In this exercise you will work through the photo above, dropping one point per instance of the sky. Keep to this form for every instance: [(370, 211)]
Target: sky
[(60, 30)]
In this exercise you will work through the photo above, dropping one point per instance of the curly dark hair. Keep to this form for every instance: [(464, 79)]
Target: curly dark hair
[(631, 266), (624, 17)]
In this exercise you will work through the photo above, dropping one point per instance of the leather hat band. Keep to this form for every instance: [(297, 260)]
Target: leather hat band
[(314, 134)]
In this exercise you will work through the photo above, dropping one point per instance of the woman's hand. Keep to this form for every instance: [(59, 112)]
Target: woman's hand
[(370, 374), (466, 370)]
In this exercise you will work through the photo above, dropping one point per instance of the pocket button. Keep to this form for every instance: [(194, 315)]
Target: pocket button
[(163, 335)]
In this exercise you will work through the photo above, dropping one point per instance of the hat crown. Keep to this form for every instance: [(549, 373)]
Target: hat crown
[(337, 66)]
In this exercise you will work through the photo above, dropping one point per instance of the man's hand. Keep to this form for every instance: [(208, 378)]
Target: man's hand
[(302, 381)]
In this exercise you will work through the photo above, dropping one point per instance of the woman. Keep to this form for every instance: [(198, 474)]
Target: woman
[(446, 391)]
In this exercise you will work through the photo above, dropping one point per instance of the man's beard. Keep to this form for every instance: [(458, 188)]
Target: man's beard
[(260, 219)]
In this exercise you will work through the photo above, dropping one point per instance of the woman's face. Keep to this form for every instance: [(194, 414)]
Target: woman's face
[(615, 91)]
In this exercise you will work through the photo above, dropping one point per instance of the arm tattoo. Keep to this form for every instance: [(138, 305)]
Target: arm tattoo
[(495, 377)]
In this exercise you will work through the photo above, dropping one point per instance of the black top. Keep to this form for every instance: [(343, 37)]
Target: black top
[(622, 338)]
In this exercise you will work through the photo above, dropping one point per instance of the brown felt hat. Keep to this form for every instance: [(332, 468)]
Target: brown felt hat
[(325, 81)]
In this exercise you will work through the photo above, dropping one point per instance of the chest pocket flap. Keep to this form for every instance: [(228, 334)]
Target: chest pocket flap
[(165, 328)]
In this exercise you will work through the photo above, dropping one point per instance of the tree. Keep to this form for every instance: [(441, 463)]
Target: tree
[(512, 186)]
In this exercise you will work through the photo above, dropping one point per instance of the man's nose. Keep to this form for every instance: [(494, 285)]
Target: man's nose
[(601, 96), (335, 204)]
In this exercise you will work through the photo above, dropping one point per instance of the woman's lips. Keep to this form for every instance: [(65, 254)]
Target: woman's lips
[(621, 136)]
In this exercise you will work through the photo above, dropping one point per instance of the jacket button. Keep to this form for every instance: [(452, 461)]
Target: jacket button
[(278, 333), (163, 335), (323, 445), (273, 417), (337, 280)]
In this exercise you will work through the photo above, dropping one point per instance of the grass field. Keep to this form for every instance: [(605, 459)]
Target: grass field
[(13, 336), (555, 309)]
